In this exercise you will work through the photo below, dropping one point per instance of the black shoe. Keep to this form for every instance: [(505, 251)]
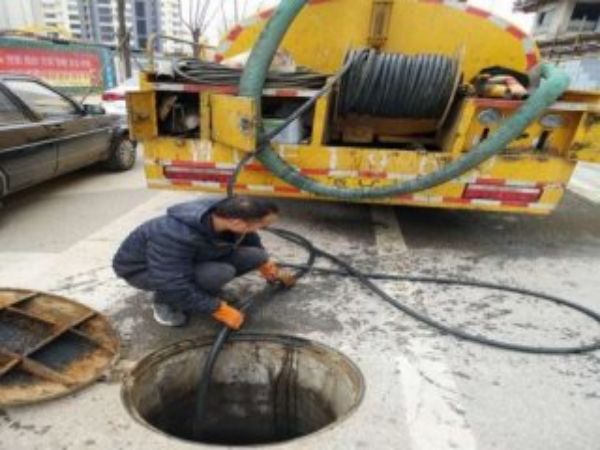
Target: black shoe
[(168, 316)]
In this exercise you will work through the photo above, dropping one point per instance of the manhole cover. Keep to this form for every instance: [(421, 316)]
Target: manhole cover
[(265, 389), (50, 346)]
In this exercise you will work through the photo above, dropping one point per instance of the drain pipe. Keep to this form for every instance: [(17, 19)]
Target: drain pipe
[(554, 83)]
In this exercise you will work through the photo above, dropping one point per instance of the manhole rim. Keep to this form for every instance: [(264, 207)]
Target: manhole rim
[(163, 353), (78, 387)]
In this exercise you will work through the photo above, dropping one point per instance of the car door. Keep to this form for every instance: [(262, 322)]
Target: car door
[(82, 139), (28, 155)]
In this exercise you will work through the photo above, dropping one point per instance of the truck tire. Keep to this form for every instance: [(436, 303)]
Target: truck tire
[(123, 155)]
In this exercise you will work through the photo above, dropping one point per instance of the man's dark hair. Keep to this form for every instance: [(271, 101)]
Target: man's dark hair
[(245, 208)]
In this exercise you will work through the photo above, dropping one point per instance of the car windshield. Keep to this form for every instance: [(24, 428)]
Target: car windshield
[(9, 112), (40, 99)]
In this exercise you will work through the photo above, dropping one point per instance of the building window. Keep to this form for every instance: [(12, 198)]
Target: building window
[(545, 18), (585, 17), (140, 9), (141, 27), (541, 18)]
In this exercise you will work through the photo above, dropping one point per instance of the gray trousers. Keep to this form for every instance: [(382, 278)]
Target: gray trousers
[(211, 276)]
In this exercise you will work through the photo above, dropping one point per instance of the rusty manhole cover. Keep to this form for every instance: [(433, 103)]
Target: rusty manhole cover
[(50, 346)]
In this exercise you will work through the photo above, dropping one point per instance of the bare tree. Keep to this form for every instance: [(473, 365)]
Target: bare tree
[(225, 23), (236, 11), (201, 14), (123, 38)]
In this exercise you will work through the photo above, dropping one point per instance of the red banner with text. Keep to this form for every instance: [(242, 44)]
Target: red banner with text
[(59, 68)]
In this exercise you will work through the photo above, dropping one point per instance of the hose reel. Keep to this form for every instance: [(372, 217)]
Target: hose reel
[(398, 86)]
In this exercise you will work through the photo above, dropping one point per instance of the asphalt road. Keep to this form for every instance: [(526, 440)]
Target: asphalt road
[(424, 391)]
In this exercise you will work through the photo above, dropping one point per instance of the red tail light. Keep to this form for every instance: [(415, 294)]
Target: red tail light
[(516, 194), (197, 174), (112, 97)]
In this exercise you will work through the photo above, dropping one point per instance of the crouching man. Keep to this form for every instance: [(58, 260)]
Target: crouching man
[(186, 256)]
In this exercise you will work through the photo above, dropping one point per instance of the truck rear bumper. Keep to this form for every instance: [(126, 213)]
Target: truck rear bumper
[(511, 183)]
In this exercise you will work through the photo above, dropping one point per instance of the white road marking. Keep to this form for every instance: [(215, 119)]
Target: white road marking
[(433, 411)]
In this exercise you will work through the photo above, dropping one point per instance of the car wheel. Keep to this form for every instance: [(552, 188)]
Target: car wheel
[(123, 155)]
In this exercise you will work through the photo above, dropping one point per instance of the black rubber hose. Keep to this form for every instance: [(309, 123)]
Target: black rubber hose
[(268, 137), (207, 370), (236, 173), (214, 74), (365, 280)]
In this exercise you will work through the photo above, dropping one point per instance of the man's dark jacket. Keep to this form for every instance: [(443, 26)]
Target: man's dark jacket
[(168, 249)]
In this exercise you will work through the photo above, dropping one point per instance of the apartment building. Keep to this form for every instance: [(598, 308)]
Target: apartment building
[(97, 20), (568, 33)]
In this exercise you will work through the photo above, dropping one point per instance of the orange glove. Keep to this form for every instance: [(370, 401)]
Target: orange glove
[(228, 315), (273, 273)]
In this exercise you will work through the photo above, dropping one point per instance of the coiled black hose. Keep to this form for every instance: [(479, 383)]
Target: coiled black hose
[(396, 85), (214, 74), (365, 279)]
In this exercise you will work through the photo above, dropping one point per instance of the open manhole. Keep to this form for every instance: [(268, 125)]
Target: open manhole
[(50, 346), (265, 389)]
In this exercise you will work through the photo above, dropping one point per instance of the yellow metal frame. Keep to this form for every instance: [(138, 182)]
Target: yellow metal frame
[(360, 168), (233, 121), (141, 115), (586, 140), (366, 167)]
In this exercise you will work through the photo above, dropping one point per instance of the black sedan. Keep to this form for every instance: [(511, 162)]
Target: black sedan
[(44, 134)]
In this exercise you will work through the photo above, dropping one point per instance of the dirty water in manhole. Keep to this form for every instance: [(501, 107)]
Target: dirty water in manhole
[(265, 389)]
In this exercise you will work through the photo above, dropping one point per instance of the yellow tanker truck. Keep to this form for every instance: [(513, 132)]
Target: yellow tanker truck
[(428, 103)]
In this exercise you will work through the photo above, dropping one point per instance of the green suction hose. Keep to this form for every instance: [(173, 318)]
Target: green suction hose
[(554, 83)]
